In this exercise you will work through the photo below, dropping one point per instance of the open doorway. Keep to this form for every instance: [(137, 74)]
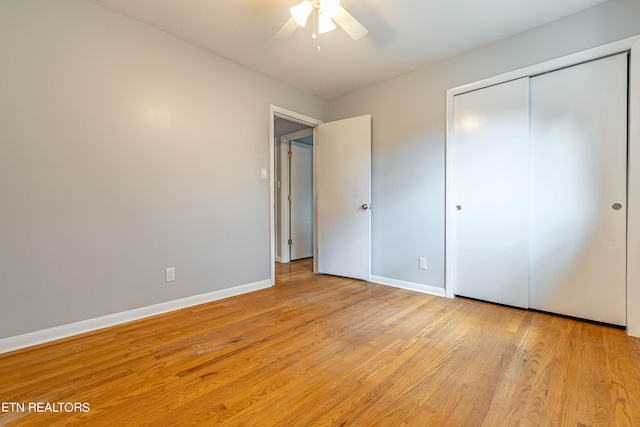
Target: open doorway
[(296, 205), (291, 220), (294, 190)]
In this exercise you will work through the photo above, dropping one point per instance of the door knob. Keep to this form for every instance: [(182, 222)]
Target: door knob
[(365, 207), (458, 208), (616, 206)]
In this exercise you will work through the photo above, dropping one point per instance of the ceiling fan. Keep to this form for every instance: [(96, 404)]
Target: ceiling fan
[(326, 13)]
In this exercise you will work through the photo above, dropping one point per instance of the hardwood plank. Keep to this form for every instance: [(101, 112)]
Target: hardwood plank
[(324, 350)]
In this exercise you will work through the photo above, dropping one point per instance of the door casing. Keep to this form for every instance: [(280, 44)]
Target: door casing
[(276, 111)]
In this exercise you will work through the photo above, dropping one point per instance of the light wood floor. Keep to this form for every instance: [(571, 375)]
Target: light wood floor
[(322, 350)]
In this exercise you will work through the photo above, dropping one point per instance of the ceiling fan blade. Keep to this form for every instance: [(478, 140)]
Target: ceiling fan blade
[(287, 29), (349, 24)]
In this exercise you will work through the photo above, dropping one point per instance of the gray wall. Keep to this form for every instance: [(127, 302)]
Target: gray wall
[(409, 126), (124, 151)]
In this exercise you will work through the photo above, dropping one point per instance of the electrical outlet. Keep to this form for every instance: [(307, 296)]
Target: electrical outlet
[(422, 263), (170, 274)]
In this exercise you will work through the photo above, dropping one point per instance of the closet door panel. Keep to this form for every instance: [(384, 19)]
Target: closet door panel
[(579, 173), (491, 132)]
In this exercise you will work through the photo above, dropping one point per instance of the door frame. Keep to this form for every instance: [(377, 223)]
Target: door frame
[(630, 45), (283, 113), (285, 189)]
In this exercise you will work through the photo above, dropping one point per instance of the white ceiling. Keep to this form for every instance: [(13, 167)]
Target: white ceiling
[(404, 35)]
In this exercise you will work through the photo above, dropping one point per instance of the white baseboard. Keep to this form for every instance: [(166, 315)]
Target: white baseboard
[(425, 289), (64, 331)]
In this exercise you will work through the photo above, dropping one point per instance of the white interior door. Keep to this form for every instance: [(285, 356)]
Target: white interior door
[(579, 173), (343, 197), (491, 161), (301, 201)]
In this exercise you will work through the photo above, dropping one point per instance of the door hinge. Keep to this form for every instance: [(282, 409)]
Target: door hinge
[(290, 154), (290, 242), (290, 197)]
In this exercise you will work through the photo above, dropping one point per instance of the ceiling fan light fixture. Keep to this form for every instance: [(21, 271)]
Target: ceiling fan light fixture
[(327, 15), (301, 12), (325, 23)]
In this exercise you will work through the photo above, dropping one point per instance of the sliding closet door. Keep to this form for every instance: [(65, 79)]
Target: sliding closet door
[(491, 133), (579, 173)]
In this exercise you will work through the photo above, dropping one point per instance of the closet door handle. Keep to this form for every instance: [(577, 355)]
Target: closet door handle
[(616, 206)]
